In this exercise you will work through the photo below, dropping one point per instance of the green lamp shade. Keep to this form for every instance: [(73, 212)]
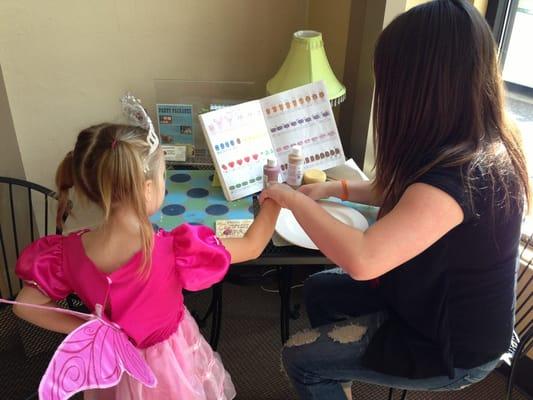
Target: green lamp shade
[(307, 62)]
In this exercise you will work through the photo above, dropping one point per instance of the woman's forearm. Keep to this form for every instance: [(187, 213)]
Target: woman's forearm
[(364, 192), (339, 242), (358, 191)]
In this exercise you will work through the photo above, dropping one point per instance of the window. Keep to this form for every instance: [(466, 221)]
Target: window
[(512, 22)]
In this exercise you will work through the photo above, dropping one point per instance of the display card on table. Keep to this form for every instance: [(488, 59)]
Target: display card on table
[(175, 123)]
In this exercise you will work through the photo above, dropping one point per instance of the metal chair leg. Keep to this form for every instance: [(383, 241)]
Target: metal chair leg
[(284, 282), (216, 322), (391, 393)]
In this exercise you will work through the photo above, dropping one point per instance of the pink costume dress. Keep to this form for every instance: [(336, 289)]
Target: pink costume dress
[(150, 311)]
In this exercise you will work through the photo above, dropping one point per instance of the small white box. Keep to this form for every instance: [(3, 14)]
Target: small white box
[(175, 153)]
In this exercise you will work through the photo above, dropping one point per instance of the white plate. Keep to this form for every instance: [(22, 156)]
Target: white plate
[(290, 230)]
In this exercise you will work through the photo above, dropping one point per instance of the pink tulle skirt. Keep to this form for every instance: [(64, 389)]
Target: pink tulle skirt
[(185, 366)]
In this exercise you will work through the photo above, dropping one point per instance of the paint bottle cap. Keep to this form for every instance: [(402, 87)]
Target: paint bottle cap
[(271, 162), (296, 150)]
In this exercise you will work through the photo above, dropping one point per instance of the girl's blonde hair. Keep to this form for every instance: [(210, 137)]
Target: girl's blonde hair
[(108, 166)]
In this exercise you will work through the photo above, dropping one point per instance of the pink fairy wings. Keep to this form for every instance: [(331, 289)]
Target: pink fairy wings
[(93, 356)]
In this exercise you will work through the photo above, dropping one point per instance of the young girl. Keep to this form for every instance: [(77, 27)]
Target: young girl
[(137, 276), (431, 283)]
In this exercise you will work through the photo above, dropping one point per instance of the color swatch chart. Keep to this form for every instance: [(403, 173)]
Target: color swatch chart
[(240, 145), (243, 137), (303, 116)]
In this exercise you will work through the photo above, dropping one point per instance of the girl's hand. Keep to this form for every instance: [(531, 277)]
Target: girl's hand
[(282, 194), (317, 191), (254, 241)]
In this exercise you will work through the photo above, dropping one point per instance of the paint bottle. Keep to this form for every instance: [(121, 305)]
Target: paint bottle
[(270, 173), (295, 169)]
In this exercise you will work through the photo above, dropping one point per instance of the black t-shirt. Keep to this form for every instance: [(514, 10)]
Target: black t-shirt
[(452, 305)]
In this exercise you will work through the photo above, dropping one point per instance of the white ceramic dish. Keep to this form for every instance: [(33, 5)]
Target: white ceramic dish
[(290, 230)]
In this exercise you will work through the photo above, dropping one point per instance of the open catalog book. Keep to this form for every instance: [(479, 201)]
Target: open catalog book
[(242, 137)]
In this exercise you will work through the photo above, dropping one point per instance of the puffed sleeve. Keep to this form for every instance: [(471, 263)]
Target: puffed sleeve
[(201, 259), (41, 265)]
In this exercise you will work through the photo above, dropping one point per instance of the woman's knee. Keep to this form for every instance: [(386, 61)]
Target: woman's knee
[(292, 364), (310, 290), (294, 354), (318, 286)]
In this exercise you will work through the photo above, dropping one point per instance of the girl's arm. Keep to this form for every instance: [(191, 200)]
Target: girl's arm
[(358, 191), (256, 237), (422, 216), (50, 320)]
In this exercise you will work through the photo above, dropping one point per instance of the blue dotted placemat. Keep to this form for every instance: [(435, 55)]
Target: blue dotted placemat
[(190, 197)]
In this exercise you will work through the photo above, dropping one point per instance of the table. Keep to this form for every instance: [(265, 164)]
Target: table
[(190, 197)]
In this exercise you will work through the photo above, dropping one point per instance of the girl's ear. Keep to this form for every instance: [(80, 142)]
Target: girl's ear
[(148, 190)]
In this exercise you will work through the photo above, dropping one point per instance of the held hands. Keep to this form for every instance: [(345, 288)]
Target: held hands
[(285, 196), (282, 194)]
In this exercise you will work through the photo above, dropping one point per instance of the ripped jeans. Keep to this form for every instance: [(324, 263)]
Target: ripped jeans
[(344, 315)]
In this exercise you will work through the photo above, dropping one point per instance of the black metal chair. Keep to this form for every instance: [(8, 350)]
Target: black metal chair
[(523, 312), (214, 310), (18, 236), (523, 333), (27, 213)]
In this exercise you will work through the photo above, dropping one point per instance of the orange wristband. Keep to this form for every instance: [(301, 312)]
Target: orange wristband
[(344, 194)]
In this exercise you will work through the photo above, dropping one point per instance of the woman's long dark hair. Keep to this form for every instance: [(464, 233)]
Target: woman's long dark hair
[(439, 101)]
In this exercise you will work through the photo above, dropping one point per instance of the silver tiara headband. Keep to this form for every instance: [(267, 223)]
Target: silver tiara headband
[(137, 115)]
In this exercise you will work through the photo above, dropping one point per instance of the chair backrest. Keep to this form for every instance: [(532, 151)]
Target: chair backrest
[(28, 212), (524, 289)]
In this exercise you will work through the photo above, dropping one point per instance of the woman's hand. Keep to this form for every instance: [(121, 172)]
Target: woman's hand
[(282, 194), (318, 191)]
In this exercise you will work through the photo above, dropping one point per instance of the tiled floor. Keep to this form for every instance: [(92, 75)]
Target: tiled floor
[(249, 346)]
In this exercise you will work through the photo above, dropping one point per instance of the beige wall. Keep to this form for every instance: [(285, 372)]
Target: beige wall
[(10, 159), (67, 62), (10, 165), (413, 3), (481, 5), (392, 9), (368, 19), (331, 18)]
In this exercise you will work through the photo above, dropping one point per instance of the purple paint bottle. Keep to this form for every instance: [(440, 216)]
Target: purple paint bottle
[(271, 173)]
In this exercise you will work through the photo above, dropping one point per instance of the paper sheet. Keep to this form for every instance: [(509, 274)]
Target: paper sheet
[(303, 116), (240, 146)]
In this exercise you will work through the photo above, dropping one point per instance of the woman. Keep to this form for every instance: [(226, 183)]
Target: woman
[(424, 298)]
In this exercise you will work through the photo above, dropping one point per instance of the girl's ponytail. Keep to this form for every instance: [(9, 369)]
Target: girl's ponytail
[(109, 166), (64, 181)]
